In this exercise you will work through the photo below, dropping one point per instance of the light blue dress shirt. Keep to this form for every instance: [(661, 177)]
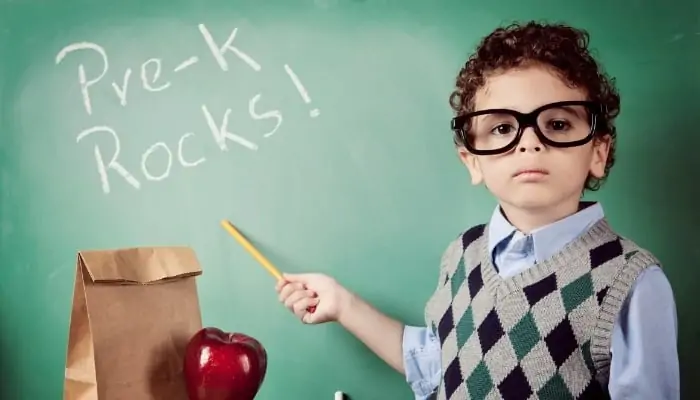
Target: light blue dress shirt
[(644, 351)]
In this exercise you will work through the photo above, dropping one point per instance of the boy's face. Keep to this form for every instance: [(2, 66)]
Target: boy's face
[(563, 171)]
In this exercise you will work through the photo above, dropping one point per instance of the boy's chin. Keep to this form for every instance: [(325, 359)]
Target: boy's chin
[(533, 200)]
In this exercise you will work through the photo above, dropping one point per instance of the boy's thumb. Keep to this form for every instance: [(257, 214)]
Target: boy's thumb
[(308, 318)]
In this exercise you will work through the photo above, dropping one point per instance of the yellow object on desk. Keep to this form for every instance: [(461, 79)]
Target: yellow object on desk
[(251, 249)]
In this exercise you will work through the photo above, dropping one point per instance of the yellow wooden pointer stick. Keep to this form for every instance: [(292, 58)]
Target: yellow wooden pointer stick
[(256, 254), (252, 250)]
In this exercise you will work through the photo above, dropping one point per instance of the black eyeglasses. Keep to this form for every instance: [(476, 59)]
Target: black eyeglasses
[(560, 124)]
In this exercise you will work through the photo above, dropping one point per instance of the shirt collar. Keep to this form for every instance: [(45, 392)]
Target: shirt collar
[(548, 239)]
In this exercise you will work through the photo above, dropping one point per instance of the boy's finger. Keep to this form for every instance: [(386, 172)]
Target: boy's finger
[(301, 305), (288, 289), (280, 284), (296, 297), (313, 302), (307, 287), (309, 318)]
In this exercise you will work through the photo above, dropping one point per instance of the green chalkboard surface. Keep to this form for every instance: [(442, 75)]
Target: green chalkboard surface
[(321, 129)]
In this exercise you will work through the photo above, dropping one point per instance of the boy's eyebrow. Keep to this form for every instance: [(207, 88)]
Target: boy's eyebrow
[(488, 117), (573, 110)]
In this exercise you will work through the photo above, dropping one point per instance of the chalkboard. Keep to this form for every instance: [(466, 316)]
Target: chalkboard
[(321, 129)]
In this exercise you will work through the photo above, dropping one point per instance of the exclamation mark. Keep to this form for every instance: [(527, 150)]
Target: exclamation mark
[(302, 90)]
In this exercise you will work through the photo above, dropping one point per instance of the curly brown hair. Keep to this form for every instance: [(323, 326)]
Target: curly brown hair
[(559, 47)]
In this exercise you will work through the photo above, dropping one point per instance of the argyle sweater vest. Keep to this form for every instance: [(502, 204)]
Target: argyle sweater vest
[(542, 334)]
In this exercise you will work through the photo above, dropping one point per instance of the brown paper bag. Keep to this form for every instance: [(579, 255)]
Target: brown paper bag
[(134, 310)]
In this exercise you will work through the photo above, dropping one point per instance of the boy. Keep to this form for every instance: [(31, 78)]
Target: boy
[(545, 301)]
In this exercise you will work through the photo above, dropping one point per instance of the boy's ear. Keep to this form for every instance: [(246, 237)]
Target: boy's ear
[(472, 164), (601, 150)]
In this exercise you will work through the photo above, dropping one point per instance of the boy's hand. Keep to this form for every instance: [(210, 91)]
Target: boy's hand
[(301, 292), (332, 302)]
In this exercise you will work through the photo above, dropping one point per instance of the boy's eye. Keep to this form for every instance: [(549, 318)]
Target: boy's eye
[(558, 125), (503, 129)]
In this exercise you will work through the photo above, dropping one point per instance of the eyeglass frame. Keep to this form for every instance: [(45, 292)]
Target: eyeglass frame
[(526, 120)]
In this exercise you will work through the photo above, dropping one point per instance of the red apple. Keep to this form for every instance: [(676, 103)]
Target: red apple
[(220, 365)]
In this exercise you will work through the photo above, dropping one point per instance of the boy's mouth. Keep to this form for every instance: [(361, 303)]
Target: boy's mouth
[(530, 172)]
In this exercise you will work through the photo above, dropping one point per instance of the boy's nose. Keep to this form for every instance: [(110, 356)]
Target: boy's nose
[(529, 141)]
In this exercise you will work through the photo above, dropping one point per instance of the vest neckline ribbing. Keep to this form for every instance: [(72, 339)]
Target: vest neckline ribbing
[(570, 253)]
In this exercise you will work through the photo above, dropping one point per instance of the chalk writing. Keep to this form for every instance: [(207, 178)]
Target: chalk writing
[(190, 61), (82, 77), (221, 133), (154, 80), (302, 90), (121, 91), (266, 115), (219, 52), (181, 157), (113, 163), (147, 83), (144, 161)]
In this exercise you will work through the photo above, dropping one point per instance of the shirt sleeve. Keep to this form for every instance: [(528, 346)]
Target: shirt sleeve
[(644, 350), (421, 356)]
